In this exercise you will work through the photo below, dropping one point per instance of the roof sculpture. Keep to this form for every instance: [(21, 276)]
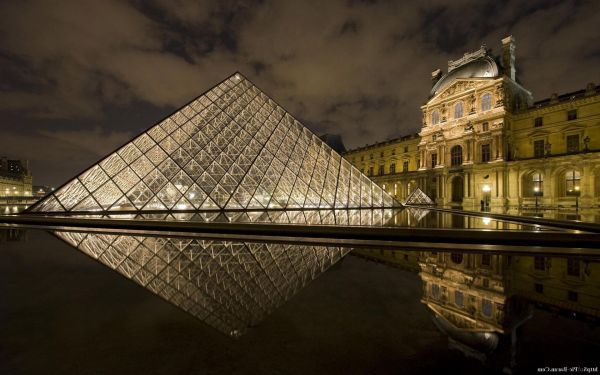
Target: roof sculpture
[(232, 148)]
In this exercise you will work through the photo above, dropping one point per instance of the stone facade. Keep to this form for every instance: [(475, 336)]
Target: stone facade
[(485, 142), (15, 179)]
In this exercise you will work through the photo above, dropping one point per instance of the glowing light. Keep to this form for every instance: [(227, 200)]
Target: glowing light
[(486, 188), (486, 221)]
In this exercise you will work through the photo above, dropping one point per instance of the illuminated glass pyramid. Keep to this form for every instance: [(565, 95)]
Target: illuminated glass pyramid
[(417, 197), (232, 148), (229, 285)]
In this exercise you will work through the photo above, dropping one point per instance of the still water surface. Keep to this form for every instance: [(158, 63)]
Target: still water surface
[(192, 306)]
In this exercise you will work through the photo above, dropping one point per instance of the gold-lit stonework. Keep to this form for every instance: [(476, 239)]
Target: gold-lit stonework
[(485, 143)]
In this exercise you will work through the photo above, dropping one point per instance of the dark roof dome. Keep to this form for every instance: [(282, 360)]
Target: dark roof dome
[(484, 342), (483, 67)]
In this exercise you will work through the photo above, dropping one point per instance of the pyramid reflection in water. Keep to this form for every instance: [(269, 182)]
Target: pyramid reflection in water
[(232, 148), (229, 285)]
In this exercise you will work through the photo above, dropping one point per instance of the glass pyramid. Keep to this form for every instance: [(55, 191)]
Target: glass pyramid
[(417, 197), (229, 285), (232, 148)]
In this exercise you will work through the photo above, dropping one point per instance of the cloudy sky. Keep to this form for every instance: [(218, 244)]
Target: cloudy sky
[(78, 78)]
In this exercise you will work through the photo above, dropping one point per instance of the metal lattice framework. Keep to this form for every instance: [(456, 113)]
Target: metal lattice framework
[(417, 197), (232, 148), (228, 285)]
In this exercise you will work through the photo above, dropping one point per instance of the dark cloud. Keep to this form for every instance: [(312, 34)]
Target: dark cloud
[(357, 68)]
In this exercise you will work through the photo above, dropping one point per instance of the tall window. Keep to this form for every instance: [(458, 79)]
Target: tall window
[(456, 155), (538, 148), (405, 166), (539, 121), (485, 127), (486, 153), (486, 307), (370, 171), (393, 168), (573, 267), (538, 183), (435, 117), (458, 110), (573, 143), (459, 298), (381, 170), (539, 263), (433, 160), (572, 115), (572, 180), (486, 102), (405, 148)]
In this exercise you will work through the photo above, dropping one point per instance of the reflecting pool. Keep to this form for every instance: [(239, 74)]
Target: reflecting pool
[(181, 304)]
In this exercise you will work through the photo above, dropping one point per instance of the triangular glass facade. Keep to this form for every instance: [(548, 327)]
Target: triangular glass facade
[(229, 285), (417, 197), (232, 148)]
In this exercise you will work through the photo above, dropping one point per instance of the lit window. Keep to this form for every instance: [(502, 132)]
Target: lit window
[(538, 183), (486, 102), (572, 180), (456, 155), (458, 110), (435, 117)]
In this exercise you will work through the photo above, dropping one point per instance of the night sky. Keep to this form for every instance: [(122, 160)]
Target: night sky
[(79, 78)]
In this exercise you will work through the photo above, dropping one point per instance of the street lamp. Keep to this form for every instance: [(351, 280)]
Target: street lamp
[(577, 198), (536, 193)]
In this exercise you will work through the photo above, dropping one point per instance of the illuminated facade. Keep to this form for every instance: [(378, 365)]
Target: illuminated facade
[(15, 179), (484, 141), (232, 148)]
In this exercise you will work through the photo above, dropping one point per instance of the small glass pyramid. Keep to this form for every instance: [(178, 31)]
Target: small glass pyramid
[(417, 197), (232, 148)]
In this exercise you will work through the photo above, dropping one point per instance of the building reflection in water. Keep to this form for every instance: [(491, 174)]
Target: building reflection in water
[(481, 300), (229, 285)]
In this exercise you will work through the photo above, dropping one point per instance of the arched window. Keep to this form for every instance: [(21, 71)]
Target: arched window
[(435, 117), (572, 180), (456, 155), (537, 183), (486, 102), (458, 110)]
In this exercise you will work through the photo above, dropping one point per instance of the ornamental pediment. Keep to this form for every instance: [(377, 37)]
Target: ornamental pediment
[(460, 86)]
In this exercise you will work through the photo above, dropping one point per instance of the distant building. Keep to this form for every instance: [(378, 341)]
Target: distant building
[(40, 191), (15, 178), (484, 140)]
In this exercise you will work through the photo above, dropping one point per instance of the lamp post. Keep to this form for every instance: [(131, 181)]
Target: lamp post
[(536, 193), (577, 198)]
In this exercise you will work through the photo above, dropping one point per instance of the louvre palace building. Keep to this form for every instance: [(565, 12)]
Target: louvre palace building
[(484, 142)]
